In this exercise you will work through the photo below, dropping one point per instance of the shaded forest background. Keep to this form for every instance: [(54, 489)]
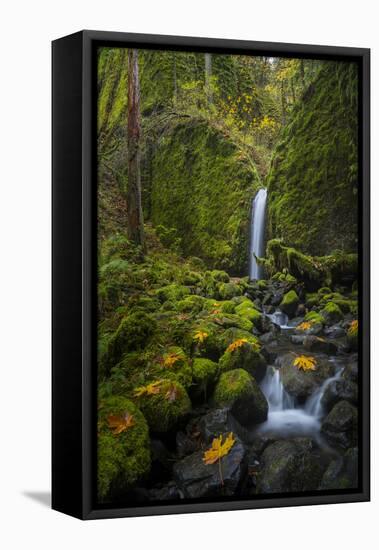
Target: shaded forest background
[(214, 129)]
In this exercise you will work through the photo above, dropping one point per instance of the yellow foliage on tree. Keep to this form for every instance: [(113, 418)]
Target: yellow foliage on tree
[(305, 363)]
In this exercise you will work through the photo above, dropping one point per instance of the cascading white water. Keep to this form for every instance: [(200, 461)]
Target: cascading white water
[(284, 417), (257, 232), (314, 403)]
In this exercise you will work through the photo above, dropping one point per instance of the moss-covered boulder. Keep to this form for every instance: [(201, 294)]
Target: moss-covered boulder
[(247, 310), (172, 293), (226, 291), (174, 365), (244, 354), (124, 457), (164, 407), (239, 391), (133, 333), (331, 313), (289, 303), (204, 372)]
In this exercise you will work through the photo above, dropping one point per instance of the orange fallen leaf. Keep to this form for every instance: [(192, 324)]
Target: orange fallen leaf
[(218, 449), (120, 423), (149, 389)]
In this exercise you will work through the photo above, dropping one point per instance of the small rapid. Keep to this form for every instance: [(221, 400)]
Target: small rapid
[(285, 417)]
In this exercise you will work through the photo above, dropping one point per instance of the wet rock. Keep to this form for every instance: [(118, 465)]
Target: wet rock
[(317, 344), (167, 492), (161, 459), (297, 339), (186, 444), (340, 426), (301, 384), (339, 390), (289, 466), (289, 303), (197, 480), (351, 371), (335, 331), (342, 473), (240, 392), (301, 311), (219, 421)]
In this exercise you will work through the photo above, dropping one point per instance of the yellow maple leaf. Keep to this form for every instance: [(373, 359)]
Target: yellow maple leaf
[(200, 336), (149, 389), (305, 325), (236, 344), (218, 449), (120, 423), (353, 328), (171, 359), (305, 362)]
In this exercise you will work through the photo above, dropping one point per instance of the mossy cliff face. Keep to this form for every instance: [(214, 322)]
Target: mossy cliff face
[(202, 189), (313, 181)]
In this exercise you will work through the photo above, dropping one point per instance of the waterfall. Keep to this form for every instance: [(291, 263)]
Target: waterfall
[(278, 399), (314, 403), (257, 232)]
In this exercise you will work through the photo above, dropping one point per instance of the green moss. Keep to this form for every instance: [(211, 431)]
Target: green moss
[(331, 313), (193, 304), (231, 320), (123, 459), (172, 293), (247, 310), (312, 299), (227, 307), (220, 276), (162, 412), (232, 385), (227, 291), (205, 373), (313, 181), (245, 357), (133, 333), (180, 370), (324, 290), (216, 180), (314, 317), (289, 303)]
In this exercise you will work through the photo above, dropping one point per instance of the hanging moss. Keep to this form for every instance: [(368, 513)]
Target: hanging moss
[(195, 165), (313, 181)]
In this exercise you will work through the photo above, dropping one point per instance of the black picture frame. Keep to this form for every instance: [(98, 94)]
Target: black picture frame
[(74, 269)]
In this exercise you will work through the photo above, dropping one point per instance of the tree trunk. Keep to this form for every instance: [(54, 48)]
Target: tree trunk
[(133, 195)]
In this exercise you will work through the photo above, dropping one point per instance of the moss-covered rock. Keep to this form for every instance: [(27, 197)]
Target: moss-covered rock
[(124, 458), (314, 317), (302, 383), (133, 333), (226, 291), (247, 310), (220, 276), (246, 356), (228, 306), (204, 372), (172, 292), (174, 365), (289, 303), (239, 391), (166, 408), (331, 313)]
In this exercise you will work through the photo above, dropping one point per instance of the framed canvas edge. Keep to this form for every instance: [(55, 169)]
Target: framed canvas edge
[(90, 40)]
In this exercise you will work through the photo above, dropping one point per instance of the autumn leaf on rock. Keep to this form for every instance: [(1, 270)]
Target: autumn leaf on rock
[(120, 423), (306, 325), (353, 328), (150, 389), (218, 449), (171, 359), (236, 344), (200, 336), (305, 363)]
